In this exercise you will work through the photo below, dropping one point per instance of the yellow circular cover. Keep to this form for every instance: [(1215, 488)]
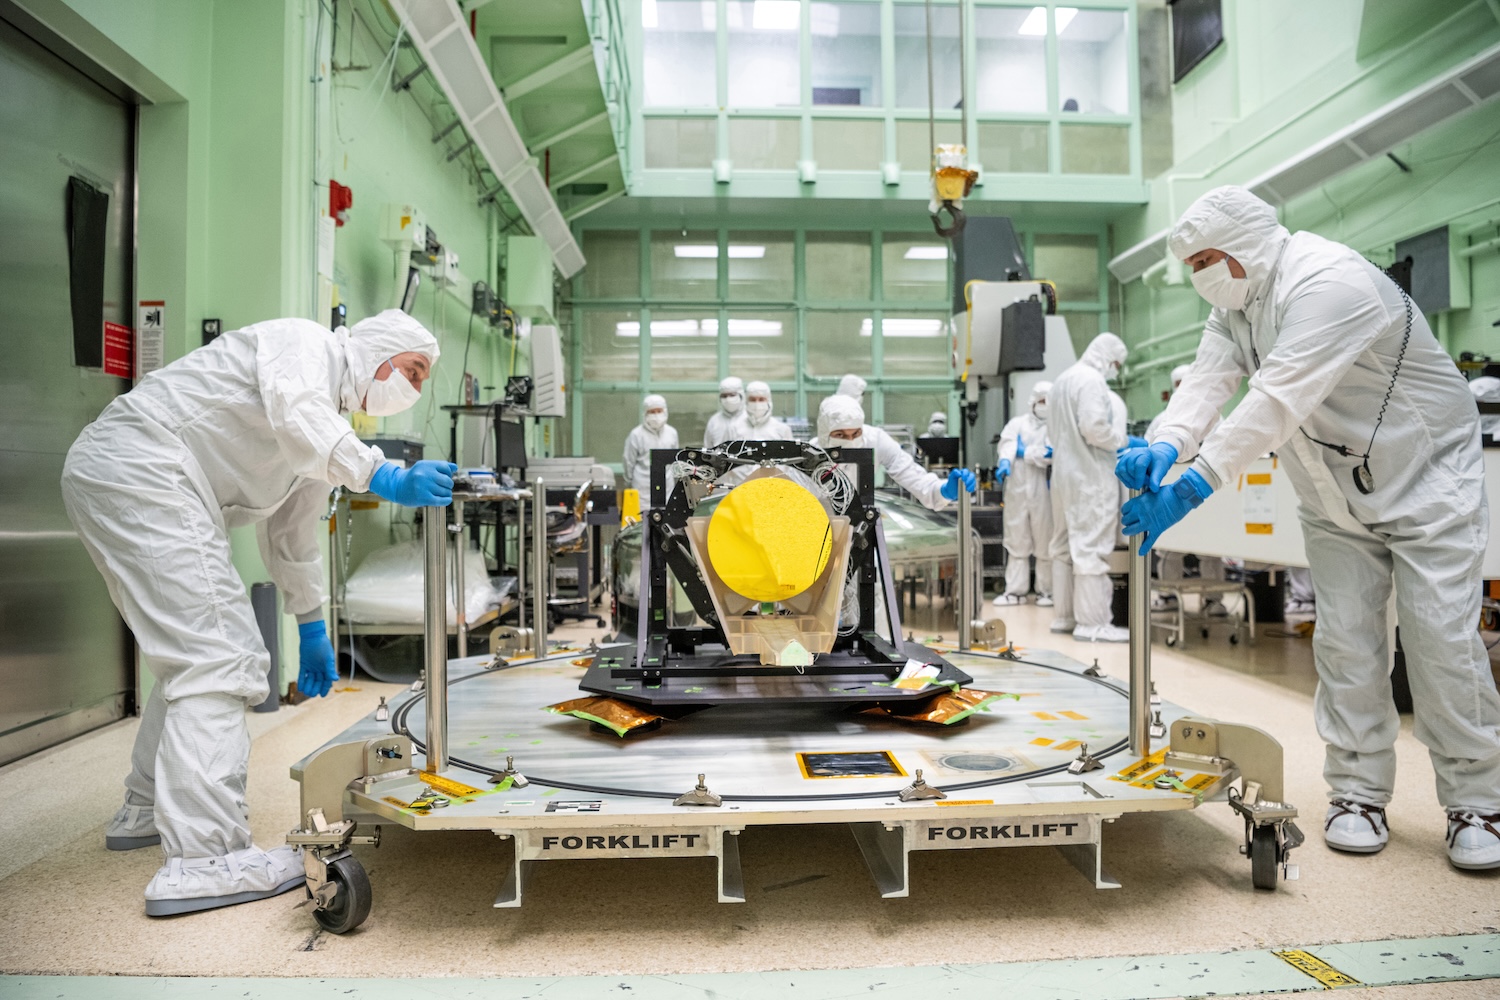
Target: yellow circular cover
[(769, 539)]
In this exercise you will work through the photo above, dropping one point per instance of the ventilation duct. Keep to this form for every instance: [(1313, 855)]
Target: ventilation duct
[(440, 32), (1466, 86)]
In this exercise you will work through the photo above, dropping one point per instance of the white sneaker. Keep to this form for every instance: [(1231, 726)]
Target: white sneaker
[(133, 827), (1044, 600), (1355, 827), (1101, 633), (1063, 625), (1473, 839), (184, 885), (1005, 600)]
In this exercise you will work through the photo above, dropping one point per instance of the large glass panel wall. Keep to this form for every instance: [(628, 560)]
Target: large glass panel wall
[(679, 38), (796, 308), (1051, 88)]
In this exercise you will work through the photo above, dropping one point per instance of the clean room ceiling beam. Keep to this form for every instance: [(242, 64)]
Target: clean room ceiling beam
[(582, 172), (572, 130), (440, 31), (553, 71)]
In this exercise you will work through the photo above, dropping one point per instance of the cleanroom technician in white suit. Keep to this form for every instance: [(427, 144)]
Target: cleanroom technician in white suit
[(721, 426), (251, 429), (1021, 466), (1086, 431), (841, 424), (759, 424), (652, 432), (1380, 437)]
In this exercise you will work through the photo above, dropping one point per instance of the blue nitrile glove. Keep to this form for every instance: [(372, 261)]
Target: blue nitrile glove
[(1003, 469), (1143, 468), (318, 670), (427, 483), (1132, 441), (1153, 513), (1049, 451), (956, 476), (1020, 448)]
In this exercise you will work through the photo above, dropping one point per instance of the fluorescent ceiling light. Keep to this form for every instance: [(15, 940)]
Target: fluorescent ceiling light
[(648, 14), (776, 15), (927, 253), (754, 328), (893, 326), (631, 329), (678, 328), (709, 251), (1036, 20)]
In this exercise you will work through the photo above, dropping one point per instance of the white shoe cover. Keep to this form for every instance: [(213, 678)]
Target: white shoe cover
[(1355, 827), (133, 827), (1044, 600), (1063, 625), (184, 885), (1473, 839), (1101, 633), (1005, 600)]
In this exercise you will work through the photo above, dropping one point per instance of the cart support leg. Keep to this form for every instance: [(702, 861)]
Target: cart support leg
[(884, 849)]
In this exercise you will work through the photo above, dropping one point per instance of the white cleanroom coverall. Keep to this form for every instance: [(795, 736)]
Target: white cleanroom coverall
[(758, 423), (852, 386), (649, 433), (1085, 431), (1028, 501), (839, 412), (250, 429), (1318, 339), (723, 424)]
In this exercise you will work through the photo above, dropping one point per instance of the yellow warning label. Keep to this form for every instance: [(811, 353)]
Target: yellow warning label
[(1132, 773), (1045, 716), (1041, 741), (1074, 715), (1259, 529), (447, 787), (1258, 479), (965, 802), (1070, 745), (1314, 966)]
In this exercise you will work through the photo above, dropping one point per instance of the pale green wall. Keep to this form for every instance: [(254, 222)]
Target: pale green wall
[(235, 156), (1286, 78)]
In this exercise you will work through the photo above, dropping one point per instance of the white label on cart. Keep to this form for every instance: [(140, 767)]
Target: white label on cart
[(632, 843), (1020, 831)]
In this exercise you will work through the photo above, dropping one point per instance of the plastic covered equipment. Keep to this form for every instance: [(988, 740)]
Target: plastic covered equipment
[(386, 589)]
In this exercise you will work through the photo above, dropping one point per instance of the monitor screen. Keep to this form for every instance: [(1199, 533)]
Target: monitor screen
[(939, 451), (1197, 29)]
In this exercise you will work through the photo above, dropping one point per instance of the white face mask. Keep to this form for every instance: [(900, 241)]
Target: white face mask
[(656, 421), (1220, 288), (1040, 410), (759, 410), (391, 396), (731, 404), (1111, 371)]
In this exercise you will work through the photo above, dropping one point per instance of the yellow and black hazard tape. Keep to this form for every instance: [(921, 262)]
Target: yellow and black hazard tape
[(1312, 965)]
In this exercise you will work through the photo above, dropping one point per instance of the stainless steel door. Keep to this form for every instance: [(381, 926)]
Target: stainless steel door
[(65, 655)]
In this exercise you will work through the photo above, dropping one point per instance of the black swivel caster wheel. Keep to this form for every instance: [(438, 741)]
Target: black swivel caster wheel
[(1171, 640), (1234, 640), (1263, 862), (351, 903)]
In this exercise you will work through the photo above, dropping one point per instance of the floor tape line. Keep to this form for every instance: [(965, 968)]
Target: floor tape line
[(1312, 965), (1314, 968)]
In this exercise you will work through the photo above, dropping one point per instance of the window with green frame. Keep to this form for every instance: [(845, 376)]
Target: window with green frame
[(1051, 86), (797, 308)]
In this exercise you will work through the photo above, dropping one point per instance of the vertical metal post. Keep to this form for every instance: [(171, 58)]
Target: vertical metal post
[(435, 634), (964, 569), (461, 618), (1139, 620), (520, 560), (539, 566)]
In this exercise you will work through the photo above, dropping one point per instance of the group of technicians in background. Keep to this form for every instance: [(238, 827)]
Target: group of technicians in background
[(745, 414)]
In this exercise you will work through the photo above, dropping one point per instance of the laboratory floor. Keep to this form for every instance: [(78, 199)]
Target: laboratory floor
[(70, 908)]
